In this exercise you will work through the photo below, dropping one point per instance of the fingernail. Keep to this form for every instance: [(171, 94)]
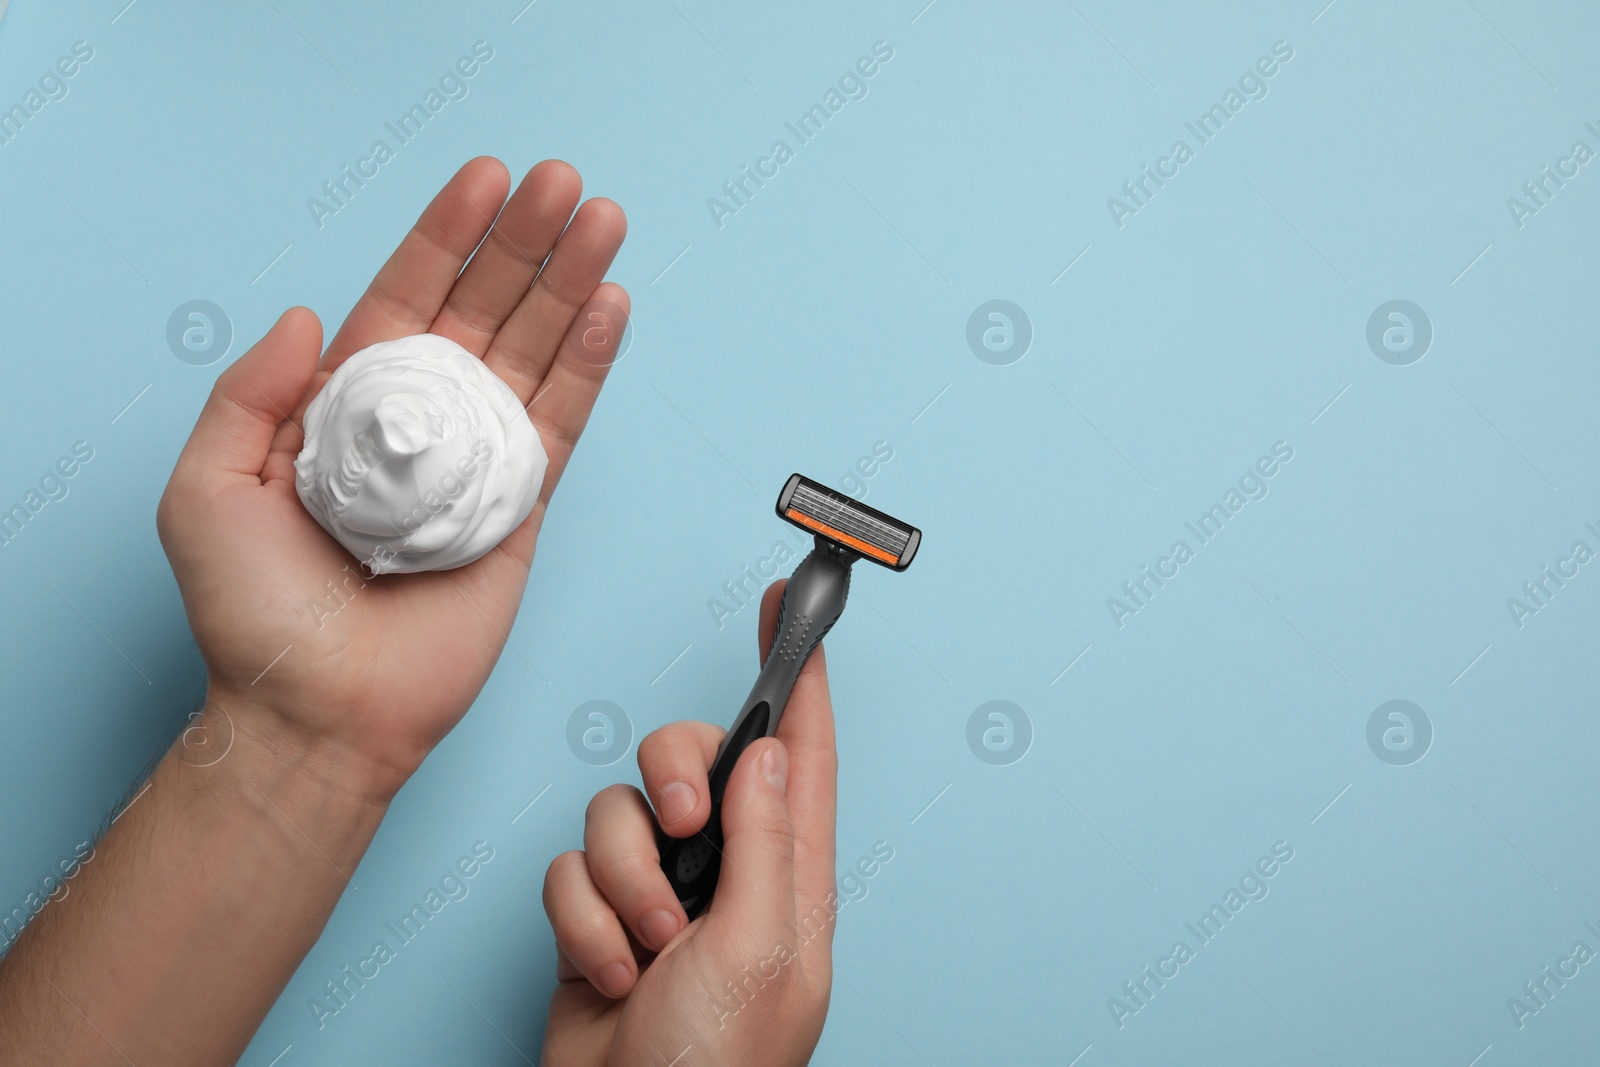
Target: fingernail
[(658, 927), (677, 800), (775, 765), (613, 981)]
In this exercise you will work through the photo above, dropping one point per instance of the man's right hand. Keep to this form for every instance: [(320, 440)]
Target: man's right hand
[(748, 981)]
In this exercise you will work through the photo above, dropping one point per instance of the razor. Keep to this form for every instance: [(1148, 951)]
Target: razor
[(845, 530)]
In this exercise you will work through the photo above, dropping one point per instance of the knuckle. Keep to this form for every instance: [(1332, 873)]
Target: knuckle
[(567, 291), (621, 869), (474, 316), (777, 978), (576, 930), (557, 871), (609, 797), (818, 754), (671, 748), (505, 241), (776, 831), (655, 748)]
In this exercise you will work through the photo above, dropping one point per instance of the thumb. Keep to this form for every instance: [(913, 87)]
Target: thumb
[(755, 892), (253, 397)]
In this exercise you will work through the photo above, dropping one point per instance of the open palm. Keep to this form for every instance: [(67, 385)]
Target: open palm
[(286, 619)]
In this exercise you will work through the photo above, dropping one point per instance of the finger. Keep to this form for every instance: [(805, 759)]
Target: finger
[(806, 729), (500, 272), (619, 839), (291, 436), (408, 291), (252, 398), (526, 345), (561, 408), (587, 931), (674, 762), (755, 891)]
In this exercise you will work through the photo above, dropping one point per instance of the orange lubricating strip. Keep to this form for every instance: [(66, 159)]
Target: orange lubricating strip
[(839, 535)]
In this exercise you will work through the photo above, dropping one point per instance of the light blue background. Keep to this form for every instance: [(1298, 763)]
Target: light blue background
[(824, 317)]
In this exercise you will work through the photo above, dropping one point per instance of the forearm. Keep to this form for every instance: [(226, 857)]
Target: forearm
[(198, 905)]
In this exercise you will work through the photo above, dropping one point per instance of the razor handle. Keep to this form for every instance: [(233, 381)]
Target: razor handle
[(812, 603)]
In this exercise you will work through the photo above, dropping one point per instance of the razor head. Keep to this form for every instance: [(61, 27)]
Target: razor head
[(866, 531)]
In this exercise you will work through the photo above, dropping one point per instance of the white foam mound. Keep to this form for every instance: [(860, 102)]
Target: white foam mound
[(417, 457)]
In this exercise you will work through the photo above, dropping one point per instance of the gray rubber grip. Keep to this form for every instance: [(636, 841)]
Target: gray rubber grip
[(812, 602)]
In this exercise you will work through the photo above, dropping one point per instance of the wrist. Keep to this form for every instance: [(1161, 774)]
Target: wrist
[(247, 741)]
